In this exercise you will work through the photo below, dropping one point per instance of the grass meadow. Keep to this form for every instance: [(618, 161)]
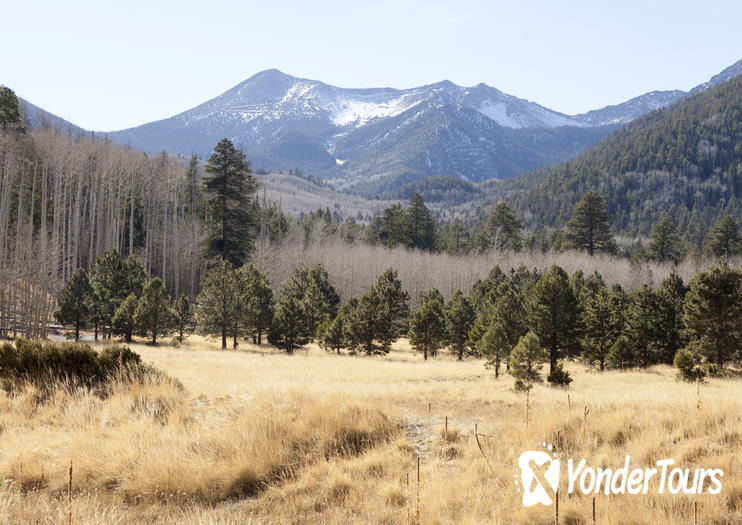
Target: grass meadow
[(256, 436)]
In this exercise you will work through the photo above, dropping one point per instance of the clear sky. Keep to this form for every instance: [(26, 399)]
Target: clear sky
[(106, 65)]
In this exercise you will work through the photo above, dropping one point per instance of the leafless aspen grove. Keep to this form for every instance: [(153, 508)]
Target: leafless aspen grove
[(354, 267), (63, 201)]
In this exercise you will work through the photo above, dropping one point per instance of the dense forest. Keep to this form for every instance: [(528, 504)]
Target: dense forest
[(684, 160)]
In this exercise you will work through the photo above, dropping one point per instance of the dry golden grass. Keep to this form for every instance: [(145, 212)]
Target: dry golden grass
[(257, 436)]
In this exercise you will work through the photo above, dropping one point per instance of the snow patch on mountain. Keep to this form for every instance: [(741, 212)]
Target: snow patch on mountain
[(357, 112), (502, 113)]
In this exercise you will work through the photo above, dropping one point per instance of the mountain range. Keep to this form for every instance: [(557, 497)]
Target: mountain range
[(374, 141)]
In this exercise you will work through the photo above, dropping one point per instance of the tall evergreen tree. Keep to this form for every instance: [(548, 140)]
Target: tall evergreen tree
[(332, 333), (427, 327), (395, 308), (671, 298), (74, 301), (393, 228), (321, 298), (459, 314), (362, 327), (220, 301), (420, 224), (510, 312), (602, 326), (502, 231), (665, 243), (183, 316), (260, 303), (643, 326), (588, 228), (495, 347), (10, 117), (724, 241), (457, 238), (553, 313), (231, 218), (153, 316), (289, 329), (113, 279), (124, 320), (712, 313)]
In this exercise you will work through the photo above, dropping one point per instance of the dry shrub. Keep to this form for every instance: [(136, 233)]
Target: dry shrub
[(393, 494), (338, 487)]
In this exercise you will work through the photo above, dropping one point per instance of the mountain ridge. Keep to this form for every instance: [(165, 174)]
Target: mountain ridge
[(371, 140), (374, 140)]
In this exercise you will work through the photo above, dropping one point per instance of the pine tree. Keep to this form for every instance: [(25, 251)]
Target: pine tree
[(665, 243), (485, 293), (183, 316), (643, 327), (392, 229), (420, 224), (153, 316), (74, 301), (724, 241), (553, 314), (321, 299), (457, 238), (113, 279), (10, 117), (526, 360), (588, 228), (495, 347), (330, 333), (333, 334), (602, 326), (395, 309), (510, 313), (459, 314), (124, 322), (362, 327), (219, 302), (502, 231), (260, 303), (231, 217), (290, 329), (712, 313), (671, 297), (621, 355), (427, 327)]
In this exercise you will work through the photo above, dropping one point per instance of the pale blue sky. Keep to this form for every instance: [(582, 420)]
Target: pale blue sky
[(106, 66)]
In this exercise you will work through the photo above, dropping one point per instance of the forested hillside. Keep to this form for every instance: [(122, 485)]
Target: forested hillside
[(685, 160)]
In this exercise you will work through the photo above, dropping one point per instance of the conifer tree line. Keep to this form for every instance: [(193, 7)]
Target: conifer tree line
[(519, 320)]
